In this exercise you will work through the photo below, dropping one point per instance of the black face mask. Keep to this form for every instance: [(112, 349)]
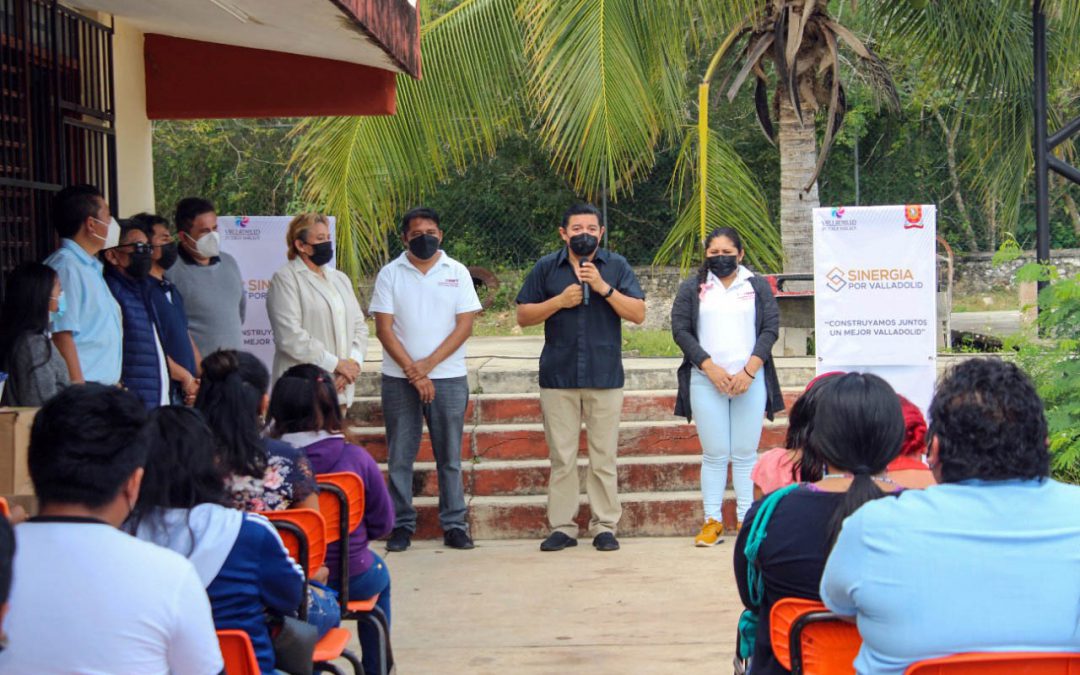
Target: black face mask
[(323, 253), (424, 246), (168, 255), (139, 264), (583, 244), (722, 265)]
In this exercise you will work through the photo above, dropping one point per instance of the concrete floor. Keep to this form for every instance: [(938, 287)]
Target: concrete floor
[(659, 605)]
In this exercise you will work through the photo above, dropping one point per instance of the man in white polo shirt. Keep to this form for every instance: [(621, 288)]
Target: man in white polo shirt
[(424, 304)]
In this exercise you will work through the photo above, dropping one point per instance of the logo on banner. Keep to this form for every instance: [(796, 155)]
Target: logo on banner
[(913, 217), (871, 279), (242, 221), (837, 222), (835, 279)]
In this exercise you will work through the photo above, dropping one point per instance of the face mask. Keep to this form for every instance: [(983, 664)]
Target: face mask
[(424, 246), (61, 305), (323, 253), (112, 236), (139, 264), (722, 265), (208, 246), (583, 244), (168, 255)]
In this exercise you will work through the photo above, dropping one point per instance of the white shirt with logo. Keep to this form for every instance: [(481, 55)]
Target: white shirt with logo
[(727, 317), (425, 309)]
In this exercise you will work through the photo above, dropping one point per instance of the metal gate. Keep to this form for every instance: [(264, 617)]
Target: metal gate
[(56, 119)]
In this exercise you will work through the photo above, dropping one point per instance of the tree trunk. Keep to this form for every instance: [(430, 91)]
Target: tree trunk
[(954, 177), (798, 154)]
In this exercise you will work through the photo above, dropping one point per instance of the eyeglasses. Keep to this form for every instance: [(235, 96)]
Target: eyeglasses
[(135, 247)]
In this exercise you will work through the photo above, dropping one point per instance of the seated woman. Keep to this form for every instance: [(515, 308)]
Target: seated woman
[(909, 469), (183, 505), (856, 431), (261, 474), (36, 370), (305, 413), (780, 467)]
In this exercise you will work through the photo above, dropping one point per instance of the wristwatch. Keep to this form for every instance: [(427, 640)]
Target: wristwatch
[(610, 290)]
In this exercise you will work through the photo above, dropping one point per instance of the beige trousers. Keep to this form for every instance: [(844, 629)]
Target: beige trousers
[(564, 410)]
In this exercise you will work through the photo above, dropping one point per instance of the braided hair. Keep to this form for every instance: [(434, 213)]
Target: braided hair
[(730, 233)]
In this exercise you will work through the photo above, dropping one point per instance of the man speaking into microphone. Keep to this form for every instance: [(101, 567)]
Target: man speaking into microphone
[(581, 293)]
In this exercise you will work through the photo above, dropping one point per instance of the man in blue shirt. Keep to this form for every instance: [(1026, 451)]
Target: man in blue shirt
[(581, 373), (986, 561), (88, 334)]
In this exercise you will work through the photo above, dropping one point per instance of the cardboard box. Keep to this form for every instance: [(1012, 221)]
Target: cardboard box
[(14, 441)]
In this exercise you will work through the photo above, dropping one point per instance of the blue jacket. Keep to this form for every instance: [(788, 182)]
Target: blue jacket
[(241, 561), (172, 321), (141, 369)]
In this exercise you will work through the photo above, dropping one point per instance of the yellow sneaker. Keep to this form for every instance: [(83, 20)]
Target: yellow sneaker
[(710, 533)]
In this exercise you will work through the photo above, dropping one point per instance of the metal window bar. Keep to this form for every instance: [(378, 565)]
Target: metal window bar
[(56, 119)]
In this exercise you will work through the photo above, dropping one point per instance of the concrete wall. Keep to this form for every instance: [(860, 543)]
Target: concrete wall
[(976, 272), (134, 138)]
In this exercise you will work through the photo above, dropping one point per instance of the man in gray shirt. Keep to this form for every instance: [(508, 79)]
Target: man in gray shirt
[(209, 280)]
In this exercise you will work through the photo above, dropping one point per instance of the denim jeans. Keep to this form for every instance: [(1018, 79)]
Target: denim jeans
[(729, 430), (375, 580), (445, 417)]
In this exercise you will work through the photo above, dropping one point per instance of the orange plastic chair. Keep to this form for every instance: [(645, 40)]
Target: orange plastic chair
[(346, 490), (238, 653), (985, 663), (340, 492), (807, 638), (303, 531), (5, 510)]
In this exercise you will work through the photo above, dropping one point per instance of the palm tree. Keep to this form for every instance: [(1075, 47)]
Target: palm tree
[(604, 84)]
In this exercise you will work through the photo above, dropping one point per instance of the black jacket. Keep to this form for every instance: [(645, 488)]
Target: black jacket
[(684, 320)]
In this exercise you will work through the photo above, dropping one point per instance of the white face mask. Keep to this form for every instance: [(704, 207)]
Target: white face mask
[(112, 236), (208, 246)]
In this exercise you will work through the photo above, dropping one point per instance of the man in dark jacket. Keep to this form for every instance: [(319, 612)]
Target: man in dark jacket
[(144, 370)]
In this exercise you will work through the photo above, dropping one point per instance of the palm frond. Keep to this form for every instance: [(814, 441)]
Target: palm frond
[(593, 68), (733, 199), (365, 171)]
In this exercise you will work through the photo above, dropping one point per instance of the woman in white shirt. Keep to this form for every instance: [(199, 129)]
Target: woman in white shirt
[(313, 308), (726, 320)]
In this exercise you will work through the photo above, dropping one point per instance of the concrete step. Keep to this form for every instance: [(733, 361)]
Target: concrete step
[(497, 375), (657, 405), (526, 441), (669, 473), (651, 514)]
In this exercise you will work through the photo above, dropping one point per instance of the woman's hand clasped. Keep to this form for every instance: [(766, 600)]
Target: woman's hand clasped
[(739, 383), (718, 376)]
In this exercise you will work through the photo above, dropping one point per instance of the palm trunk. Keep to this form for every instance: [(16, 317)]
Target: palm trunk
[(798, 154)]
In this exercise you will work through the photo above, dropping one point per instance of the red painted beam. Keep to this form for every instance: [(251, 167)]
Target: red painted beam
[(394, 24), (189, 79)]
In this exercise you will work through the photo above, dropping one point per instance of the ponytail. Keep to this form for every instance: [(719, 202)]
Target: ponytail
[(857, 427), (232, 388)]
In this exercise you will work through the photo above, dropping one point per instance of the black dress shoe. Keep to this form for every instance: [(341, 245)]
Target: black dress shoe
[(458, 538), (399, 540), (605, 541), (557, 541)]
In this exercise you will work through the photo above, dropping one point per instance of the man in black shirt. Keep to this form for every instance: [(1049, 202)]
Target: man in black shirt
[(581, 293)]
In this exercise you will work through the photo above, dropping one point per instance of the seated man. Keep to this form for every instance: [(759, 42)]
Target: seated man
[(989, 560), (86, 597)]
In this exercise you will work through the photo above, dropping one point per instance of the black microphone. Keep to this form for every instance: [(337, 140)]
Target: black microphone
[(584, 288)]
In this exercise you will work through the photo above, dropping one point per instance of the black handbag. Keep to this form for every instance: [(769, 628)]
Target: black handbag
[(294, 645)]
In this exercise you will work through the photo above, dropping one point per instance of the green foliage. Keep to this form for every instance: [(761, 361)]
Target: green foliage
[(1052, 358), (241, 165), (650, 342)]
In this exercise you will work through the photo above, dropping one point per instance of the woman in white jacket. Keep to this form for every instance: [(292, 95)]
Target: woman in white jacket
[(313, 308)]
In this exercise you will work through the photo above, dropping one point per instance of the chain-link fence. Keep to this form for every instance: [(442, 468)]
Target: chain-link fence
[(504, 214)]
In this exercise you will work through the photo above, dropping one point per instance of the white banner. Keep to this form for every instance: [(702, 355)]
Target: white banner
[(875, 286), (258, 244)]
